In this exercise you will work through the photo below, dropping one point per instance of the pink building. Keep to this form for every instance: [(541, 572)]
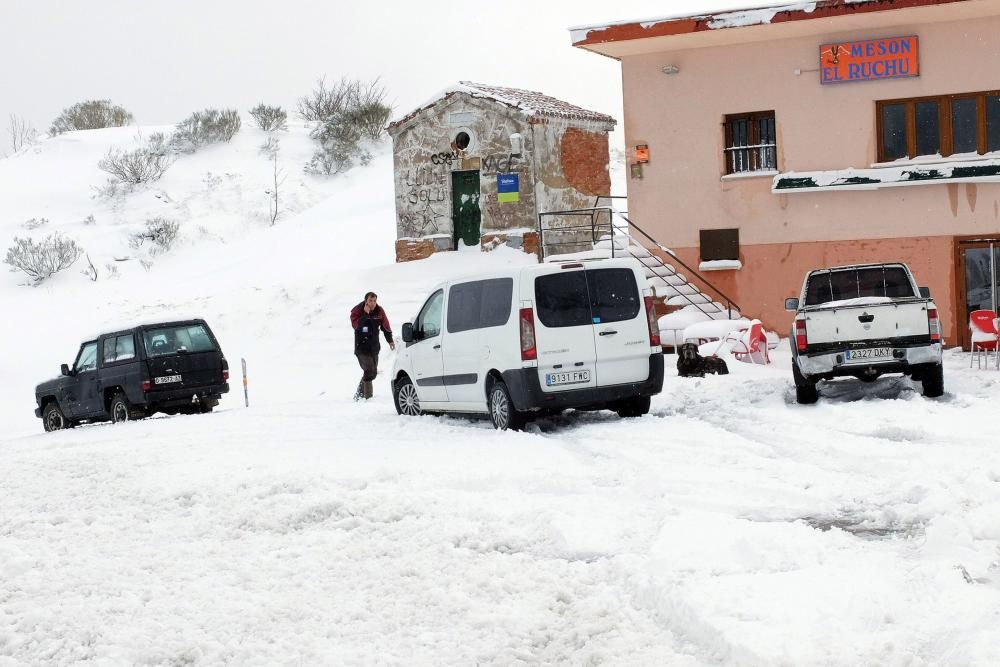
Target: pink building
[(818, 134)]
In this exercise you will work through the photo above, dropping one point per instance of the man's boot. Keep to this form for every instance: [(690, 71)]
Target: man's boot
[(367, 389), (359, 392)]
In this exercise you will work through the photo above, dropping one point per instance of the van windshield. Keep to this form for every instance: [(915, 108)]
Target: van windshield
[(593, 296), (183, 338), (874, 281)]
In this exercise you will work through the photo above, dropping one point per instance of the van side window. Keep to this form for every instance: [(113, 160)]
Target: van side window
[(119, 348), (562, 299), (429, 320), (614, 295), (479, 304), (87, 359)]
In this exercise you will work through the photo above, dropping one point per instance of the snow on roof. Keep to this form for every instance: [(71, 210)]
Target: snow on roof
[(529, 102), (763, 14)]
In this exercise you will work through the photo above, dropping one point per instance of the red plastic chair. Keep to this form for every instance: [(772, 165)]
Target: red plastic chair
[(983, 334), (754, 345)]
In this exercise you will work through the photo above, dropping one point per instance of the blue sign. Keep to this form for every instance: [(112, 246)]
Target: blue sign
[(508, 188)]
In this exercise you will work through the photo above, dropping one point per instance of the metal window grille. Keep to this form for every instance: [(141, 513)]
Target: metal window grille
[(751, 143)]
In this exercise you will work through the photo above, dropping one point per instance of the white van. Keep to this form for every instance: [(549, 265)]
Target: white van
[(535, 340)]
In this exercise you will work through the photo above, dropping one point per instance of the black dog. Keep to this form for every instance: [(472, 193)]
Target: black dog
[(690, 364)]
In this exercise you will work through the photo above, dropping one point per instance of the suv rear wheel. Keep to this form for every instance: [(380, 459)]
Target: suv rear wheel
[(502, 412), (805, 389), (121, 411), (53, 418), (404, 395)]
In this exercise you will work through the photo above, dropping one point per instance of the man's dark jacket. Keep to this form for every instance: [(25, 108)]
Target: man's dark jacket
[(366, 328)]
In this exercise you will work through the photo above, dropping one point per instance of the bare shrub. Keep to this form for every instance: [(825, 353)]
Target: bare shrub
[(43, 259), (111, 270), (90, 115), (159, 233), (370, 112), (90, 220), (35, 223), (113, 190), (268, 118), (324, 103), (201, 128), (340, 145), (141, 165), (91, 270), (21, 133)]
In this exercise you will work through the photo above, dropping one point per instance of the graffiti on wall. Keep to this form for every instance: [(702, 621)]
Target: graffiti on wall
[(499, 163)]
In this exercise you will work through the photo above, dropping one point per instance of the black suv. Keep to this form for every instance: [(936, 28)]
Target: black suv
[(173, 367)]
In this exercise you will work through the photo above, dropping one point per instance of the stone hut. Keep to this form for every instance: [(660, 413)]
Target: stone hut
[(476, 164)]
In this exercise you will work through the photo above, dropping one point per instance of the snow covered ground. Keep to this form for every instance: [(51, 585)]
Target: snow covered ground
[(731, 526)]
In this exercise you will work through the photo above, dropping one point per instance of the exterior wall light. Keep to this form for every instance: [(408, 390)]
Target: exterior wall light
[(670, 69)]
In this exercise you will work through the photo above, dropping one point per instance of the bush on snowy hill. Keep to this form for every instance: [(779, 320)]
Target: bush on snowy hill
[(269, 118), (43, 259), (159, 233), (340, 142), (201, 128), (90, 115), (141, 165)]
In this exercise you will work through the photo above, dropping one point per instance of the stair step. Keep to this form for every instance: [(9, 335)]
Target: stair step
[(687, 299)]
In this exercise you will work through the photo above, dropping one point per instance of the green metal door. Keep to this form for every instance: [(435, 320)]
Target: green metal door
[(465, 207)]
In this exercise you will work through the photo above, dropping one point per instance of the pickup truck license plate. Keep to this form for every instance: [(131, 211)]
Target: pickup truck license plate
[(569, 377), (871, 353), (167, 379)]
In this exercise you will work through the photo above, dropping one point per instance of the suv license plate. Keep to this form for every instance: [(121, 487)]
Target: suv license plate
[(871, 353), (569, 377), (167, 379)]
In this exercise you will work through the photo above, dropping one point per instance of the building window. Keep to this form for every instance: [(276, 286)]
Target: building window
[(750, 143), (719, 244), (940, 125)]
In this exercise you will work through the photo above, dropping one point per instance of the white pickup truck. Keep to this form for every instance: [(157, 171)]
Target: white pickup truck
[(864, 321)]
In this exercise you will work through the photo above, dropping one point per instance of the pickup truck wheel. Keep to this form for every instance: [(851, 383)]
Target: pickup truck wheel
[(404, 395), (933, 380), (53, 418), (805, 389), (121, 411), (633, 407), (502, 412)]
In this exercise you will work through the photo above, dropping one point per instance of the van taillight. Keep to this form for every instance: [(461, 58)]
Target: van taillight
[(654, 326), (934, 324), (528, 350), (800, 335), (146, 385)]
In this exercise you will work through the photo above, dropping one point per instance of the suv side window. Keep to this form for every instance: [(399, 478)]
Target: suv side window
[(87, 359), (429, 320), (119, 348), (479, 304)]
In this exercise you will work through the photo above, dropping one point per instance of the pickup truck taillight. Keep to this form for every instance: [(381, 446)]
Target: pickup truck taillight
[(146, 385), (934, 324), (528, 350), (800, 335), (654, 327), (225, 375)]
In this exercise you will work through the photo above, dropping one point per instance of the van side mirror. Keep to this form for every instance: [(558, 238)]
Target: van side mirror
[(791, 304), (925, 292), (408, 332), (64, 370)]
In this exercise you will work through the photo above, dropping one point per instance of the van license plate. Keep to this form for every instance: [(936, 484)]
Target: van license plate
[(569, 377), (871, 353), (167, 379)]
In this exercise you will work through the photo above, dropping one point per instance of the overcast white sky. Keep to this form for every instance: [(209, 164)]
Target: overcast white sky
[(163, 60)]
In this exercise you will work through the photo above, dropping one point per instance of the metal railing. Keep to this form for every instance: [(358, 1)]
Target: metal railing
[(595, 231)]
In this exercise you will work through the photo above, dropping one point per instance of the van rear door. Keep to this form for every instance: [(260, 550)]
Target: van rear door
[(620, 326), (182, 356), (564, 329)]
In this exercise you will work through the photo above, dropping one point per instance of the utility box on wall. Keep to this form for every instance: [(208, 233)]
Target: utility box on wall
[(477, 164)]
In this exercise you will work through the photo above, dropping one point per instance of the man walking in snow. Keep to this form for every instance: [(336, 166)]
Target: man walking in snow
[(368, 318)]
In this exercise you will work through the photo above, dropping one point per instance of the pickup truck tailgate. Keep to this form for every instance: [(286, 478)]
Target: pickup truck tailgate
[(873, 321)]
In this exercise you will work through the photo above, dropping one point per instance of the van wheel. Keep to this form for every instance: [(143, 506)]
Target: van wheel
[(805, 389), (404, 395), (633, 407), (933, 380), (502, 412), (121, 411), (53, 418)]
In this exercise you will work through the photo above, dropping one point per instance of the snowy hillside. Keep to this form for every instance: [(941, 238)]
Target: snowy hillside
[(730, 526)]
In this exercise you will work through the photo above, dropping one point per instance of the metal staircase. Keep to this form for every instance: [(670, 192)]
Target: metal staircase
[(602, 231)]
